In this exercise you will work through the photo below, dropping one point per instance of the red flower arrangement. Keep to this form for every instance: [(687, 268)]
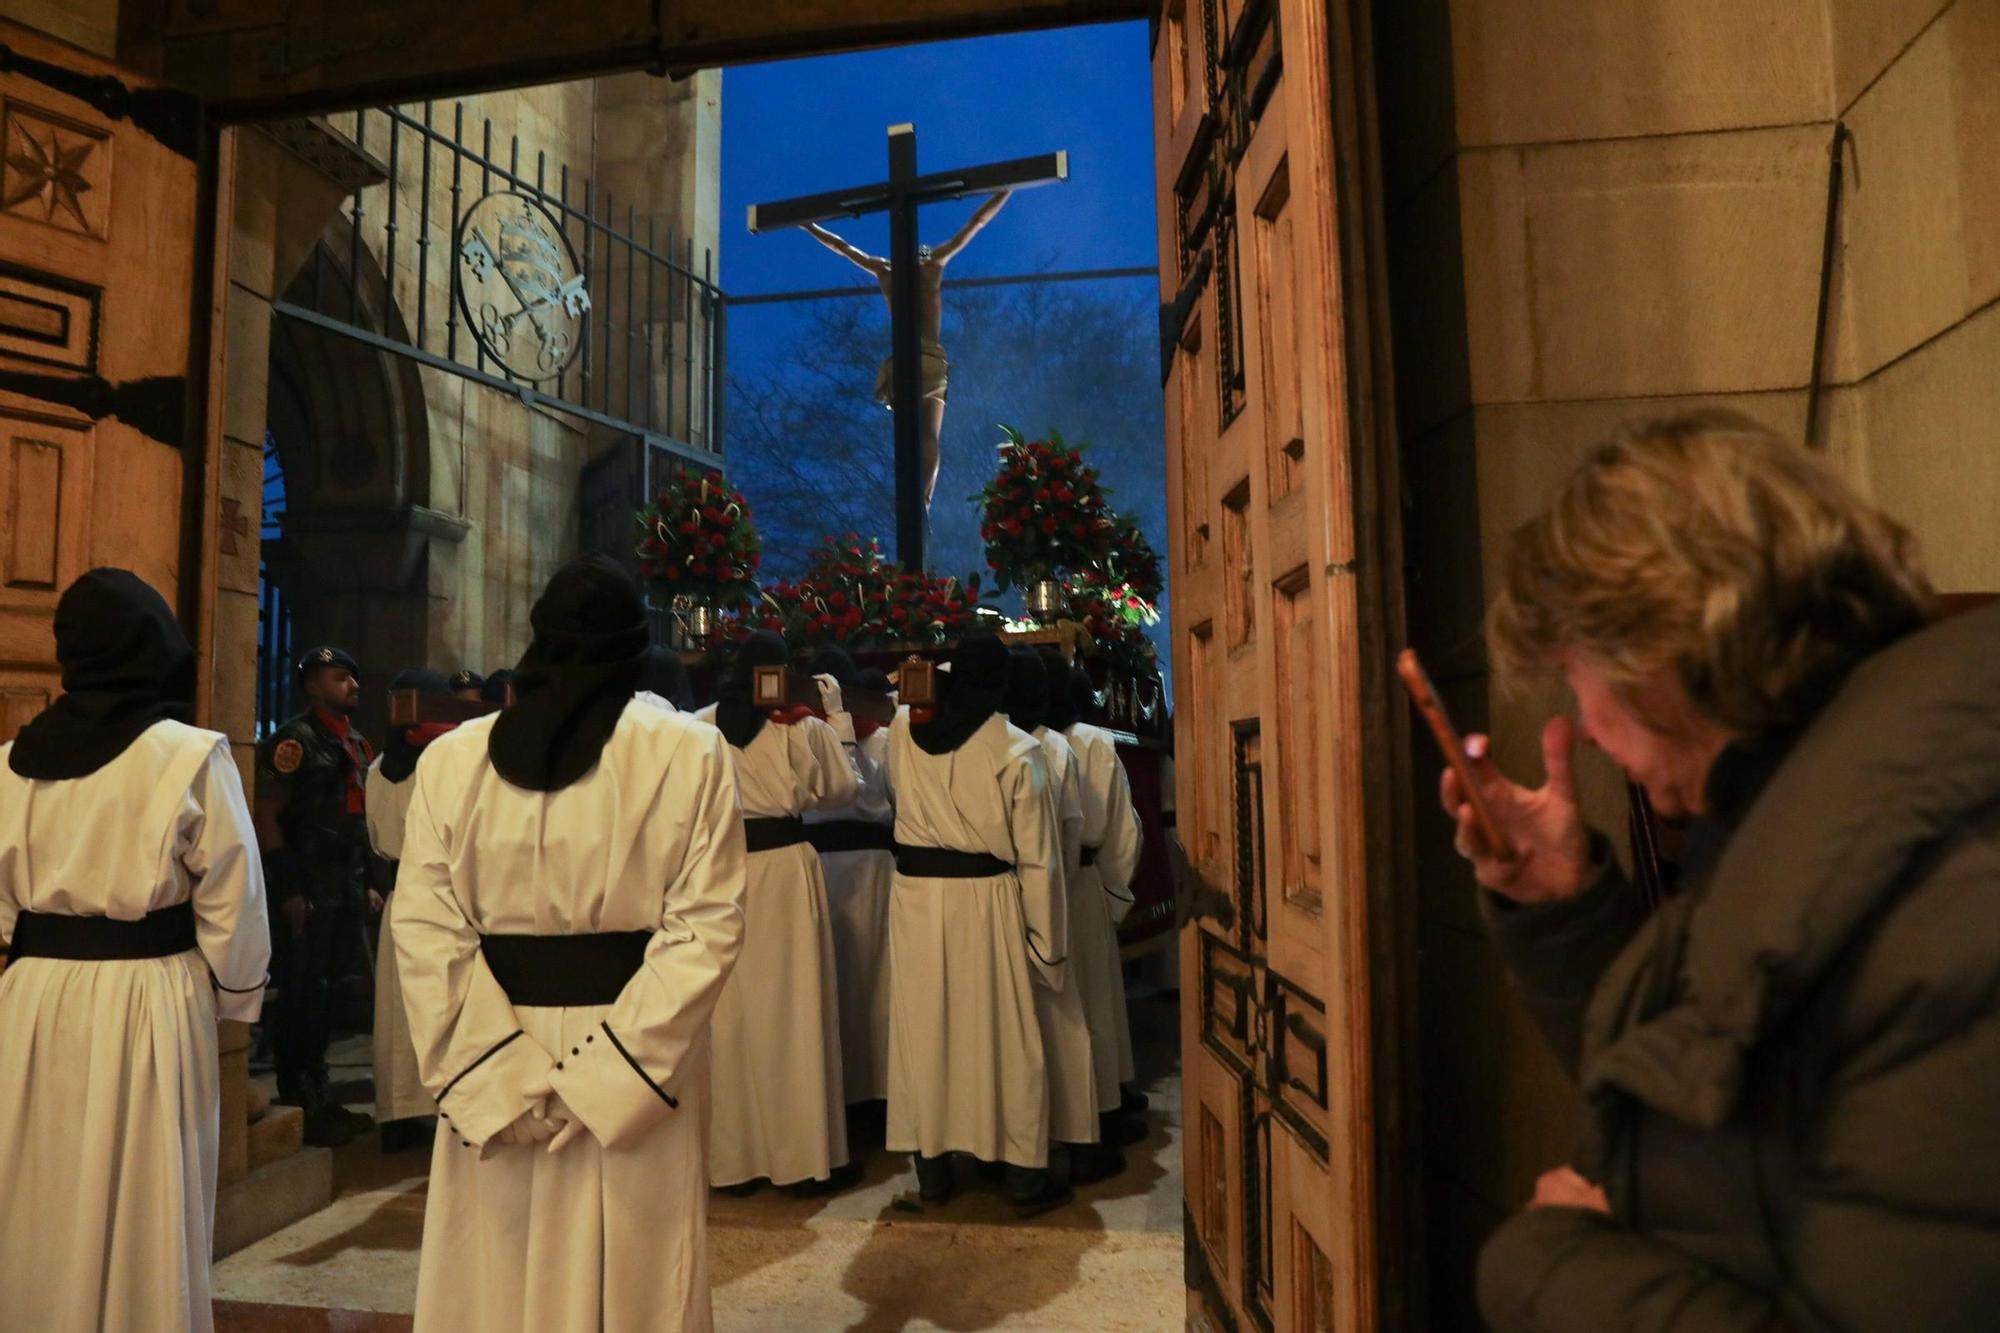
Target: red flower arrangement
[(1135, 563), (851, 596), (1043, 514), (696, 540), (1116, 615)]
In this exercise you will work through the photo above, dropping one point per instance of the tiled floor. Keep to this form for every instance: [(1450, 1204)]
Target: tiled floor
[(1111, 1261)]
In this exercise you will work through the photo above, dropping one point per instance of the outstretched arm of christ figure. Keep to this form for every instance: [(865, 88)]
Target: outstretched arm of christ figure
[(945, 253), (857, 257)]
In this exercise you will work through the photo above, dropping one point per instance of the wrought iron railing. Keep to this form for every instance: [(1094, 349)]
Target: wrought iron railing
[(554, 290)]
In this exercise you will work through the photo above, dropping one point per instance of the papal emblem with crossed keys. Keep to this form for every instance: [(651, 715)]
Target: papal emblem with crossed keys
[(520, 286)]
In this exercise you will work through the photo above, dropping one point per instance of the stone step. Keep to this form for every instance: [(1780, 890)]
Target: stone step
[(279, 1132), (272, 1197)]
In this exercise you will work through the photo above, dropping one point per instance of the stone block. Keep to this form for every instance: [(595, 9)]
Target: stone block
[(1922, 219), (1499, 1110), (271, 1198), (1933, 433), (1643, 267), (279, 1132), (233, 700), (246, 368), (245, 755), (255, 224), (1868, 35), (1427, 276), (242, 485), (1525, 450), (1442, 551), (1414, 93), (1536, 71), (233, 1146)]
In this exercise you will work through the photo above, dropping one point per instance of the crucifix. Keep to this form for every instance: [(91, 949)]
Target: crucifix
[(916, 378)]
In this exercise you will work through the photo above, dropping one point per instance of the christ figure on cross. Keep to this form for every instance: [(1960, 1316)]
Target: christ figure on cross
[(936, 368)]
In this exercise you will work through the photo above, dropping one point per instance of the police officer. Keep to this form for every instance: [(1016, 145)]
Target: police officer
[(310, 783), (468, 685)]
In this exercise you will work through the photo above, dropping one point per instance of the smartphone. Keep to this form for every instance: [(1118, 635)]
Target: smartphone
[(1418, 682)]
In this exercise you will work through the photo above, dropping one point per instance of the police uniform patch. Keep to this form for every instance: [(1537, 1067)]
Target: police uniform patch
[(288, 756)]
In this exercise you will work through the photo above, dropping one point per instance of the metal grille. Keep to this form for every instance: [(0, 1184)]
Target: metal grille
[(275, 646), (649, 355)]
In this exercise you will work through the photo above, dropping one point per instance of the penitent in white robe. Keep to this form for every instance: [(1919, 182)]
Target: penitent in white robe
[(109, 1087), (1069, 1037), (857, 895), (780, 1107), (609, 1235), (1111, 825), (399, 1088), (966, 1068)]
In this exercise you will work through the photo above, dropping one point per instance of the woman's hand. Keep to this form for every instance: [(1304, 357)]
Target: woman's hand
[(1551, 854), (1564, 1188)]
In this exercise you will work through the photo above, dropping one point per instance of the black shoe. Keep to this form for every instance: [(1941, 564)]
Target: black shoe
[(326, 1127), (1092, 1162), (1132, 1101), (1115, 1129), (742, 1190), (937, 1179), (843, 1178), (403, 1135), (357, 1123), (1051, 1196)]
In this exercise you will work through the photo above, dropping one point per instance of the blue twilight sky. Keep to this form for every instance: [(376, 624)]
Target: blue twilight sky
[(802, 126)]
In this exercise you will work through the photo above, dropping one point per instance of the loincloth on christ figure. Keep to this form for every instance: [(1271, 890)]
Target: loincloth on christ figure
[(934, 378)]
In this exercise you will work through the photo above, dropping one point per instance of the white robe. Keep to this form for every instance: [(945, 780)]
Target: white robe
[(109, 1086), (1110, 824), (780, 1107), (399, 1088), (1069, 1035), (966, 956), (857, 895), (609, 1234)]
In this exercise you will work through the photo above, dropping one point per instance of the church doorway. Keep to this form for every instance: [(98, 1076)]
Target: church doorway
[(1277, 479), (349, 463)]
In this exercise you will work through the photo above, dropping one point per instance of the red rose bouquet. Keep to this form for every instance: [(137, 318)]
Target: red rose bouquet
[(1043, 515), (696, 540)]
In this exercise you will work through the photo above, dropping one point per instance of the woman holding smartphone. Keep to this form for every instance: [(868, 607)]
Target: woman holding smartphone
[(1793, 1069)]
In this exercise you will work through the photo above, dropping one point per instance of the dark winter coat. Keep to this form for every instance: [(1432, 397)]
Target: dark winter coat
[(1793, 1071)]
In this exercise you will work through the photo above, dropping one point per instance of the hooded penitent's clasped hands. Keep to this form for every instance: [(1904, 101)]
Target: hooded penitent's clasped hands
[(547, 1120)]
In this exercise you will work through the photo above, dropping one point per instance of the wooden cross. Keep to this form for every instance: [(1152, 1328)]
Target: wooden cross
[(900, 196)]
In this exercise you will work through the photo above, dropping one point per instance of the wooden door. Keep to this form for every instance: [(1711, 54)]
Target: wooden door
[(1279, 1101), (98, 238)]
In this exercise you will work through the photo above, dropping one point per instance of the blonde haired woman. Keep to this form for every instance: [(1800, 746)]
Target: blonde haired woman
[(1793, 1069)]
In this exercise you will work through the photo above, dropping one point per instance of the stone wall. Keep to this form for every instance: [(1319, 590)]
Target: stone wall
[(1617, 210), (487, 510)]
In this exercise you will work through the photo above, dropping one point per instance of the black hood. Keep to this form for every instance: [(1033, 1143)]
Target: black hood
[(125, 666), (575, 679)]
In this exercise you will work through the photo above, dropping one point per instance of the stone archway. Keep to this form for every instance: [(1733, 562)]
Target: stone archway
[(352, 434)]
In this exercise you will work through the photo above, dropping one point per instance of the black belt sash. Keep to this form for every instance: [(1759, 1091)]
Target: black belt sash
[(768, 833), (564, 971), (1089, 855), (851, 835), (948, 863), (160, 934)]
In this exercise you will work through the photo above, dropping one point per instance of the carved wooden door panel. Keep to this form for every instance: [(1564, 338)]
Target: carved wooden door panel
[(1275, 1026), (98, 199)]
